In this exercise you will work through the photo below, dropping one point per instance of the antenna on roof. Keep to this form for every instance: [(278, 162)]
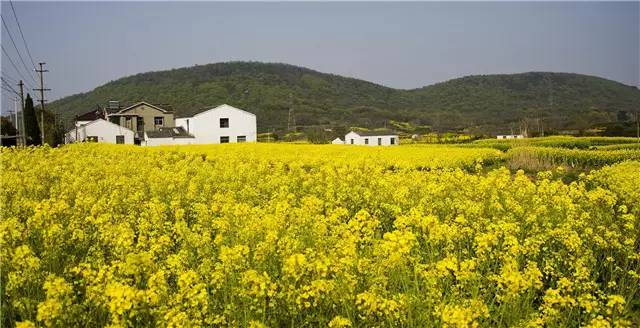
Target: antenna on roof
[(114, 104)]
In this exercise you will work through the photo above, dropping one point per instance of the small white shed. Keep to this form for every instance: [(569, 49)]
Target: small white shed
[(222, 124), (100, 130), (337, 141), (372, 138), (510, 136)]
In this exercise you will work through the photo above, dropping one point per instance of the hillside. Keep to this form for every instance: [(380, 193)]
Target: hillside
[(483, 103)]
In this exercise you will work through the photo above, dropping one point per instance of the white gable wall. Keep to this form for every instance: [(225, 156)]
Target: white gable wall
[(205, 126), (104, 130)]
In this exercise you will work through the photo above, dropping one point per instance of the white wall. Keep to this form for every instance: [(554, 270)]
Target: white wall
[(168, 141), (337, 141), (373, 140), (104, 130), (205, 126)]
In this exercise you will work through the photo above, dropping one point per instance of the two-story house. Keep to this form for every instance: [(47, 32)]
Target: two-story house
[(141, 117)]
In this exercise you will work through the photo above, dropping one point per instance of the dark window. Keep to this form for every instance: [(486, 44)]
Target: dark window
[(92, 139), (242, 138), (224, 122), (379, 141), (352, 141), (120, 139), (224, 139), (366, 141), (158, 120), (393, 140)]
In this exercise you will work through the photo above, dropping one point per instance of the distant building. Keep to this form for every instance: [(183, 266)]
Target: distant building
[(510, 136), (372, 138), (100, 130), (337, 141), (222, 124)]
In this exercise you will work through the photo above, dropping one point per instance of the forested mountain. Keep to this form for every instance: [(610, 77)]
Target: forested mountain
[(487, 103)]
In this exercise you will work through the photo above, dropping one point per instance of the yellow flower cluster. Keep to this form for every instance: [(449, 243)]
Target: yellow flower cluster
[(300, 235)]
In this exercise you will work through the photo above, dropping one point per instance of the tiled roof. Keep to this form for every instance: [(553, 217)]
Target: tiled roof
[(169, 132), (91, 116), (375, 133)]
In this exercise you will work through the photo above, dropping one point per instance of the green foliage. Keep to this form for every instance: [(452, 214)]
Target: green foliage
[(540, 158), (7, 128), (554, 141), (31, 127), (487, 104)]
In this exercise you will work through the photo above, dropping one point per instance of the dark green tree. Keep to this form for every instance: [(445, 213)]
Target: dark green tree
[(32, 132), (7, 128)]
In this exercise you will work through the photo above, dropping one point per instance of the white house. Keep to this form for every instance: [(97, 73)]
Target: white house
[(168, 136), (372, 138), (100, 130), (337, 141), (222, 124), (510, 136)]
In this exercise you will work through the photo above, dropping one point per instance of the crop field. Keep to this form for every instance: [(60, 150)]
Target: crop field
[(280, 235)]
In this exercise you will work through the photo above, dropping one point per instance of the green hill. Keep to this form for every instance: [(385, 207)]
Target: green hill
[(487, 103)]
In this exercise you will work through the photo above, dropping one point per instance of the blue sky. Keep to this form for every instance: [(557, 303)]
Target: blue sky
[(401, 45)]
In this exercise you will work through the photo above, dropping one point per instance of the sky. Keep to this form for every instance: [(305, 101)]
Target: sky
[(401, 45)]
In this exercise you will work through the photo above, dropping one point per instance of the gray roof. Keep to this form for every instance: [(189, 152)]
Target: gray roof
[(375, 133), (168, 132)]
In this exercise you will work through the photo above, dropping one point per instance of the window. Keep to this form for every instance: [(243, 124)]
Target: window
[(224, 139), (127, 122), (379, 141), (158, 120), (352, 141), (241, 139), (366, 141), (120, 139), (393, 140), (224, 122)]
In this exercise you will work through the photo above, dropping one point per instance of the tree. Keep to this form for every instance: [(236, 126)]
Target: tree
[(7, 128), (31, 130)]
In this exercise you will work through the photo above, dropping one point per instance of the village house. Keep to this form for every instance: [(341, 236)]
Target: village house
[(372, 138), (140, 117), (222, 124), (100, 130)]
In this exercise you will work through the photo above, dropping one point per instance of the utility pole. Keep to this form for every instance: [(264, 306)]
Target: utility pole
[(291, 122), (42, 89), (22, 134)]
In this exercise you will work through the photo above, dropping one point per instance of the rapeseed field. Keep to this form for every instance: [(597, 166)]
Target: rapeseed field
[(262, 235)]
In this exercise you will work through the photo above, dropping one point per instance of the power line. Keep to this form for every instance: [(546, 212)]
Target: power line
[(8, 85), (22, 35), (9, 90), (9, 77), (17, 50), (12, 63)]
